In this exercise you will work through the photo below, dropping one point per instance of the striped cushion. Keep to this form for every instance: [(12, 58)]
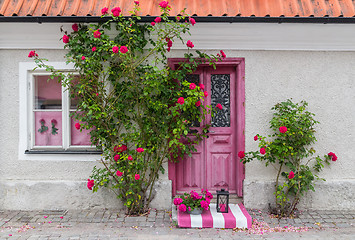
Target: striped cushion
[(237, 216)]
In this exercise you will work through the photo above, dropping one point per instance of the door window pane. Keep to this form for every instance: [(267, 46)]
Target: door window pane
[(220, 93), (48, 93)]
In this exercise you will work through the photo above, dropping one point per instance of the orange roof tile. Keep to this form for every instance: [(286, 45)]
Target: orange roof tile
[(243, 8)]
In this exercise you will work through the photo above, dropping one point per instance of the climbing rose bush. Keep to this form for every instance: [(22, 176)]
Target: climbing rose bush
[(136, 107), (290, 153)]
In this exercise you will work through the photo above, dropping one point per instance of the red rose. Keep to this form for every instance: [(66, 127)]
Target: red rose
[(255, 137), (93, 49), (104, 11), (198, 103), (116, 157), (202, 87), (205, 93), (97, 34), (192, 21), (140, 150), (262, 151), (75, 27), (181, 100), (77, 125), (283, 129), (192, 86), (65, 39), (32, 54), (157, 19), (334, 157), (219, 106), (152, 23), (189, 44), (223, 54), (291, 175), (170, 43), (130, 158), (90, 184), (137, 177), (116, 11), (163, 4), (136, 2), (119, 174), (54, 121), (120, 149), (241, 154), (82, 57), (123, 49), (115, 49), (168, 49)]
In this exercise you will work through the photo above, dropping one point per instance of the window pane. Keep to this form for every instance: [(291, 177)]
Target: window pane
[(220, 93), (79, 138), (48, 128), (48, 93)]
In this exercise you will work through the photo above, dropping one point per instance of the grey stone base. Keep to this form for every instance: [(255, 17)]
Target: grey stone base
[(59, 195), (329, 195)]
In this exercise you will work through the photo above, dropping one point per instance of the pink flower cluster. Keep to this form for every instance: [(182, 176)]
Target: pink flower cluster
[(192, 201)]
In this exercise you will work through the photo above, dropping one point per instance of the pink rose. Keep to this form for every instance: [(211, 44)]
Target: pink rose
[(192, 21), (334, 157), (283, 129), (136, 2), (223, 54), (77, 125), (116, 11), (291, 175), (123, 49), (255, 137), (157, 19), (130, 158), (82, 57), (189, 44), (90, 184), (164, 4), (116, 157), (115, 49), (205, 93), (137, 177), (32, 54), (140, 150), (219, 106), (65, 39), (192, 86), (177, 201), (93, 49), (202, 87), (120, 149), (241, 154), (198, 103), (181, 100), (104, 11), (182, 207), (97, 34), (75, 27), (262, 151), (152, 23), (170, 43), (119, 173)]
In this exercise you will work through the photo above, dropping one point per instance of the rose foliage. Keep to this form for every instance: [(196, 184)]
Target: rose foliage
[(289, 151), (137, 108)]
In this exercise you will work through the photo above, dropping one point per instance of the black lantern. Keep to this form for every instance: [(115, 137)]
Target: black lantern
[(222, 201)]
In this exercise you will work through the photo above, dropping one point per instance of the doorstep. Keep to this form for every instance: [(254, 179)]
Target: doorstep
[(237, 217)]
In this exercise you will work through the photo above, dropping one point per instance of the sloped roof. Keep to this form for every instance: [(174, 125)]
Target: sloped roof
[(200, 8)]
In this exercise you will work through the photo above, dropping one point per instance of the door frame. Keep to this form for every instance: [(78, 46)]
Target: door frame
[(239, 66)]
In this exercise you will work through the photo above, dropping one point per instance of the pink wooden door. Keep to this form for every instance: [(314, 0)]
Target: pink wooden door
[(215, 164)]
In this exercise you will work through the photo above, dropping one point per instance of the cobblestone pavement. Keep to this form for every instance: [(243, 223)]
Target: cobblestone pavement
[(106, 224)]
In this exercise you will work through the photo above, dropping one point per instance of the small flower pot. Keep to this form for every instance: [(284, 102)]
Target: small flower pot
[(196, 211)]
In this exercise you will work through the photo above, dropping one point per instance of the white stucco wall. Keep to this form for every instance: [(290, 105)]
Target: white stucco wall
[(323, 78)]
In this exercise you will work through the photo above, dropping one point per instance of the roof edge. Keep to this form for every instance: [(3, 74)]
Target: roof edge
[(219, 19)]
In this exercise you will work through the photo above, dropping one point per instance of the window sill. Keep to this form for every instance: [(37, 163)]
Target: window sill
[(92, 152)]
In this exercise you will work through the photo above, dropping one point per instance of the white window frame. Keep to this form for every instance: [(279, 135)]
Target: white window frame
[(26, 119)]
